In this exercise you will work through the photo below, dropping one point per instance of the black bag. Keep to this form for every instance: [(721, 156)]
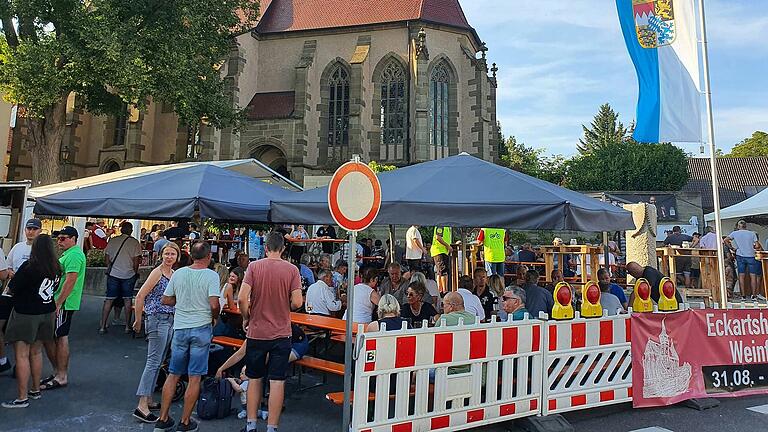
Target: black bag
[(215, 401)]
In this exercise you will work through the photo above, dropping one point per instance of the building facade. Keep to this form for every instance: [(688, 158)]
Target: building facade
[(395, 81)]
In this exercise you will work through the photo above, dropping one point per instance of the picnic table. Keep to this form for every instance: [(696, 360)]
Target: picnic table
[(334, 325)]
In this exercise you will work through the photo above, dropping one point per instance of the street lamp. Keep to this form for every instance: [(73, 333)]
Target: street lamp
[(64, 154)]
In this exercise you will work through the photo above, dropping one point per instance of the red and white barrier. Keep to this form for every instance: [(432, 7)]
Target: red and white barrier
[(587, 363), (483, 374)]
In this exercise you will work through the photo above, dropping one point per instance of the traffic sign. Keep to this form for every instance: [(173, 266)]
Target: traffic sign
[(354, 196)]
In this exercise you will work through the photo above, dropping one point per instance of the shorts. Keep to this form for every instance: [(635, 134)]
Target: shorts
[(30, 328), (442, 265), (749, 265), (683, 265), (189, 351), (300, 349), (414, 265), (274, 367), (6, 306), (695, 273), (120, 288), (63, 322)]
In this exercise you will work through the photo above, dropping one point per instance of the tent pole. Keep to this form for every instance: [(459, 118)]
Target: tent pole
[(606, 249), (391, 244)]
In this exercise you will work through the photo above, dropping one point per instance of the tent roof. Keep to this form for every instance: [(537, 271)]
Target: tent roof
[(248, 167), (464, 191), (173, 193), (757, 205)]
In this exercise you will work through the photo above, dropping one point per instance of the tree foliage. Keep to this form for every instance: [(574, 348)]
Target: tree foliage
[(605, 129), (380, 168), (112, 53), (754, 146), (527, 160)]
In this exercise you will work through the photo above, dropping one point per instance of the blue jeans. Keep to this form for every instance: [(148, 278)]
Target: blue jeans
[(122, 288), (159, 331), (189, 351), (749, 265)]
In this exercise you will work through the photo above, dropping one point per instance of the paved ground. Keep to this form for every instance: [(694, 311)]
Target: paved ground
[(105, 372)]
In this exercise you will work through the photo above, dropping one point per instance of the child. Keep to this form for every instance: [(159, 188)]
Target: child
[(240, 386)]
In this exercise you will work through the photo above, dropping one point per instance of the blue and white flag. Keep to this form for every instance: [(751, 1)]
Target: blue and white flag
[(661, 39)]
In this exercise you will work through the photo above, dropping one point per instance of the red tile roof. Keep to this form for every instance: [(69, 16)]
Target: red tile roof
[(295, 15), (277, 105), (739, 179)]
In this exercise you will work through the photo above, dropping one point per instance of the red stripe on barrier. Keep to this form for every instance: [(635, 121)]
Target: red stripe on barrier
[(475, 415), (505, 410), (606, 332), (534, 404), (509, 341), (536, 338), (443, 348), (553, 338), (370, 345), (628, 330), (578, 335), (578, 400), (405, 354), (477, 344), (552, 404), (440, 422), (402, 427), (607, 395)]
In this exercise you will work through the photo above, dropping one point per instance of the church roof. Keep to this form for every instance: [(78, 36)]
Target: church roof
[(296, 15), (273, 105)]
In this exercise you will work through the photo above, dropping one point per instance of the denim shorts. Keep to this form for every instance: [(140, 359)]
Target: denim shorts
[(749, 265), (189, 351), (122, 288)]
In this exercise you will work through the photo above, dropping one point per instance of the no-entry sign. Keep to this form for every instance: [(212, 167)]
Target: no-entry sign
[(354, 196)]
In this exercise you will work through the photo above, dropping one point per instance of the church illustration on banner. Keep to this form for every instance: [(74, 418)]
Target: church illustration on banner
[(663, 375)]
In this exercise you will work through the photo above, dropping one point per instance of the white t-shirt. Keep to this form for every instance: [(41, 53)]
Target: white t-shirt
[(123, 266), (610, 303), (362, 312), (744, 240), (321, 299), (432, 288), (411, 250), (18, 255), (708, 241), (472, 303)]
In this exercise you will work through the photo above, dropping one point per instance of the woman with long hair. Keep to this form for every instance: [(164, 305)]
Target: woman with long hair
[(230, 290), (159, 328), (416, 310), (32, 319)]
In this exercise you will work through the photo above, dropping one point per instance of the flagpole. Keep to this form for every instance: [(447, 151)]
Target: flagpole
[(713, 160)]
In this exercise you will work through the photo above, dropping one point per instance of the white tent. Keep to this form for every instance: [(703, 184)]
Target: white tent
[(755, 206)]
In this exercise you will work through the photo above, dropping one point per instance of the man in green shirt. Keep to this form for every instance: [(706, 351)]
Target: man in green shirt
[(453, 311), (67, 297), (441, 251)]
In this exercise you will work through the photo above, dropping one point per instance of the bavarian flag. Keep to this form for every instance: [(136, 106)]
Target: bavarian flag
[(661, 39)]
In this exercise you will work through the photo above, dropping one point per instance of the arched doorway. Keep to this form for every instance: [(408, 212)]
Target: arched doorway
[(273, 157), (110, 166)]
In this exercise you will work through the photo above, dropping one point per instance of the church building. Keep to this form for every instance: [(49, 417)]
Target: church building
[(395, 81)]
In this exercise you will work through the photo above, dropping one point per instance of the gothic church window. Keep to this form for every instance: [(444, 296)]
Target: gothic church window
[(438, 105), (121, 128), (393, 104), (338, 108)]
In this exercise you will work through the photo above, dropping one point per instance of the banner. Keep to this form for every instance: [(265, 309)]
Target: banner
[(698, 353)]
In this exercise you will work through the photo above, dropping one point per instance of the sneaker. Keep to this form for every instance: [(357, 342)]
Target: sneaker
[(164, 425), (5, 367), (34, 394), (189, 427), (761, 297), (144, 418), (16, 403)]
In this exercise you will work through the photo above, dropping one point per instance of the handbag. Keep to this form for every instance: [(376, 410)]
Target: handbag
[(112, 261)]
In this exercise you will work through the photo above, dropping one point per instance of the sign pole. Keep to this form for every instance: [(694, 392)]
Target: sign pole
[(351, 263), (713, 161)]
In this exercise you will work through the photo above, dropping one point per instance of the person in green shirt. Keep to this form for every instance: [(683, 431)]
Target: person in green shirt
[(67, 296), (453, 312), (441, 250)]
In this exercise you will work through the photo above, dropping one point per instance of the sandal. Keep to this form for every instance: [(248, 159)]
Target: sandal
[(52, 385)]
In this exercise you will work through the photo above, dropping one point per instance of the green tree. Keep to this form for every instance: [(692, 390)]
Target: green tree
[(629, 166), (754, 146), (112, 53), (604, 130), (527, 160), (380, 168)]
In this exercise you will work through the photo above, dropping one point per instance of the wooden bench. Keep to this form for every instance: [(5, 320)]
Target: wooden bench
[(228, 341), (320, 365)]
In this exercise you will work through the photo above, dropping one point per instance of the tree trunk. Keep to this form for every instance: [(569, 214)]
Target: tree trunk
[(44, 143)]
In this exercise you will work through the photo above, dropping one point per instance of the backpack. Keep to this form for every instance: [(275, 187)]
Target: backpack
[(215, 401)]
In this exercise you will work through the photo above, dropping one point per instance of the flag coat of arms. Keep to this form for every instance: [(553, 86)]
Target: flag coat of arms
[(662, 41)]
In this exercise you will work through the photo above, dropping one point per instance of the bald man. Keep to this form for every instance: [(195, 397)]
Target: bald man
[(653, 277), (453, 310)]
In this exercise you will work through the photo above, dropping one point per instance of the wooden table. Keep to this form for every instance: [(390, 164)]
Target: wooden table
[(709, 279), (762, 257), (320, 322)]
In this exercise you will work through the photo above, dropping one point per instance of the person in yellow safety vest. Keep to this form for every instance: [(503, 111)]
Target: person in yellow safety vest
[(493, 241), (440, 250)]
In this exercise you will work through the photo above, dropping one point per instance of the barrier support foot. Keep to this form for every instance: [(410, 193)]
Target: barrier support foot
[(701, 404), (550, 423)]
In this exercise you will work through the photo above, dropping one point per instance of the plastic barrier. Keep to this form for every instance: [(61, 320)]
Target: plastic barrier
[(483, 374), (587, 363)]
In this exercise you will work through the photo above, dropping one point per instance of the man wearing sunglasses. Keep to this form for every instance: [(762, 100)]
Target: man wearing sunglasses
[(67, 297), (513, 302)]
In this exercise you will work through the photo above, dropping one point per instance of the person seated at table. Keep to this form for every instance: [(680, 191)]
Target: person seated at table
[(513, 303), (520, 272), (307, 276), (480, 288), (389, 315), (416, 311), (526, 254), (537, 298), (615, 289), (431, 285), (322, 297), (340, 275), (366, 297), (230, 290), (471, 302), (496, 287), (610, 303), (324, 262), (556, 277), (395, 284), (453, 311)]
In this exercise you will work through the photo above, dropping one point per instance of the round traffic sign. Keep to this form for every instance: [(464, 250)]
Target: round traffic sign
[(354, 196)]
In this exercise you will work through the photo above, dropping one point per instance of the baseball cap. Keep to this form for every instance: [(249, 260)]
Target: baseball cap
[(67, 231), (34, 223)]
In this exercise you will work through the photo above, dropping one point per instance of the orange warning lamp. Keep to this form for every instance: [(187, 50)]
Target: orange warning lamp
[(667, 300), (642, 301), (563, 308), (590, 300)]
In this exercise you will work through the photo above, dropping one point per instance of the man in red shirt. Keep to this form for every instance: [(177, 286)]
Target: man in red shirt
[(269, 287)]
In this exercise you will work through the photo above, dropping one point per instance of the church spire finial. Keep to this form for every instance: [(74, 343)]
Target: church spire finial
[(494, 69), (421, 45)]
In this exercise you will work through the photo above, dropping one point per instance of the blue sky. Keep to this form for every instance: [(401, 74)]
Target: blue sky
[(559, 60)]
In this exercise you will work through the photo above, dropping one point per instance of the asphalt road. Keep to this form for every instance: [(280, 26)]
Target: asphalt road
[(105, 372)]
